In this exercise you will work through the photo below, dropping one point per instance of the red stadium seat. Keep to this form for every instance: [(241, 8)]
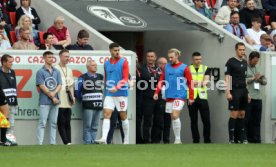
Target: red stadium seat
[(13, 37), (267, 20), (41, 33), (13, 19)]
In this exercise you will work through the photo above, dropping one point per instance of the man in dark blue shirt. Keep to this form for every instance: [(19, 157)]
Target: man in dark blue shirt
[(82, 42)]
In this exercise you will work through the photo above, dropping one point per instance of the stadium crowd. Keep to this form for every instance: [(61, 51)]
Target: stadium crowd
[(158, 109)]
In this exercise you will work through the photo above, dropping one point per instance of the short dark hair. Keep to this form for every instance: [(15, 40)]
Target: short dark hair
[(5, 58), (83, 34), (150, 51), (63, 51), (46, 34), (234, 12), (254, 54), (113, 45), (239, 44), (256, 19), (47, 53), (196, 54)]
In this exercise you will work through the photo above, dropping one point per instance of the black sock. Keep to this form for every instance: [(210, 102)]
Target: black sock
[(3, 134), (238, 131), (231, 128), (242, 129)]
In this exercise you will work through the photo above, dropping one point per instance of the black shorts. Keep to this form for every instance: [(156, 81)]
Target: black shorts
[(239, 99), (272, 15)]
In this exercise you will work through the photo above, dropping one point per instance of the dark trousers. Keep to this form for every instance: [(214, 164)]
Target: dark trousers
[(253, 118), (115, 122), (139, 117), (167, 127), (64, 124), (153, 119), (203, 107)]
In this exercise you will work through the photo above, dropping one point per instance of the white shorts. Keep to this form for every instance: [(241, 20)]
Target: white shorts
[(174, 105), (119, 102)]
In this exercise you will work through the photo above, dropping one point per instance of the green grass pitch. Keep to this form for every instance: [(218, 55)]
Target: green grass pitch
[(188, 155)]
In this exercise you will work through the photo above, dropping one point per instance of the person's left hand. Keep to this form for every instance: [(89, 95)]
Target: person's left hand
[(113, 90)]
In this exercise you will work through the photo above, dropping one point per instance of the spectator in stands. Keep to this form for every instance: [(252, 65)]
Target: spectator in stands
[(250, 11), (5, 21), (26, 23), (255, 32), (274, 40), (82, 42), (4, 43), (199, 5), (270, 5), (238, 29), (266, 44), (9, 5), (24, 42), (48, 42), (61, 33), (223, 16), (26, 9)]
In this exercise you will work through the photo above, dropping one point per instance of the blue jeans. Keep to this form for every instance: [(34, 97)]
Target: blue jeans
[(90, 125), (46, 111)]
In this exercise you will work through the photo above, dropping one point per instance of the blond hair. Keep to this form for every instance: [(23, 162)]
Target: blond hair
[(20, 25), (175, 51)]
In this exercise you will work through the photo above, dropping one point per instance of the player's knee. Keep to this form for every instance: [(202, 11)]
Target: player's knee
[(107, 115), (123, 115)]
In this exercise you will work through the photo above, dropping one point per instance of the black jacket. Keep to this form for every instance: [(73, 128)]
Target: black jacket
[(147, 75), (246, 15), (10, 5), (36, 20)]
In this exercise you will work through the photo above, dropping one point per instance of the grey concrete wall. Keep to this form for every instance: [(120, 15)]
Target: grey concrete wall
[(214, 54)]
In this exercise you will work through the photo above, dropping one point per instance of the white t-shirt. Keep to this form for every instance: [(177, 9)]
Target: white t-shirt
[(255, 35)]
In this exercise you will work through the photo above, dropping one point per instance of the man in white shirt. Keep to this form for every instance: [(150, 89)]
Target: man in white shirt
[(255, 32), (223, 16)]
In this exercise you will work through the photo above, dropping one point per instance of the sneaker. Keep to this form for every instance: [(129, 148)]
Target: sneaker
[(126, 142), (231, 142), (245, 142), (8, 143), (69, 144), (177, 142), (100, 141)]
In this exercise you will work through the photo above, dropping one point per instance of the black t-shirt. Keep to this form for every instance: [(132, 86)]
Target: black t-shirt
[(3, 99), (237, 69)]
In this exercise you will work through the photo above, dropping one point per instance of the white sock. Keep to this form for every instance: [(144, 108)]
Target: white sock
[(125, 126), (106, 127), (176, 124)]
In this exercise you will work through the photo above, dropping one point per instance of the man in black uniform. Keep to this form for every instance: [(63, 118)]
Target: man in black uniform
[(8, 83), (4, 109), (236, 93), (153, 116)]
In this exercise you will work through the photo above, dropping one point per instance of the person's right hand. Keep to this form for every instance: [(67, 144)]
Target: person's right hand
[(257, 76), (155, 97), (51, 94), (229, 96), (55, 101)]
